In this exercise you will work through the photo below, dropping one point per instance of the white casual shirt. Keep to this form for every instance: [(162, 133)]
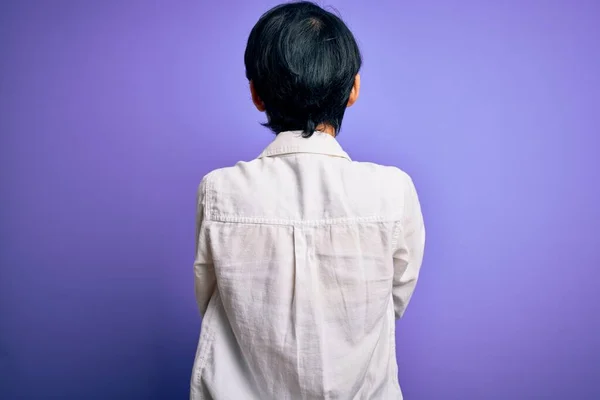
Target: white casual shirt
[(304, 260)]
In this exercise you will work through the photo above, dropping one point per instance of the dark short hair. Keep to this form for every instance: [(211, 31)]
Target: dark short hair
[(302, 61)]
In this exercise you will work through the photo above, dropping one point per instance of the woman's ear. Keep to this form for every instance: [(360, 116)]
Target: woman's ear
[(258, 103), (355, 91)]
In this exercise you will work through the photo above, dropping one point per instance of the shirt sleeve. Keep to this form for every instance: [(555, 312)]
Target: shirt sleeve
[(408, 244), (204, 274)]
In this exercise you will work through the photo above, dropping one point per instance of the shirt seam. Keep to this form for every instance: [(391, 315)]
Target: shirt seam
[(209, 197), (228, 218), (396, 234)]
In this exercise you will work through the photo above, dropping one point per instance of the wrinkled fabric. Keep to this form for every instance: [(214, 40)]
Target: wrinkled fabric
[(304, 260)]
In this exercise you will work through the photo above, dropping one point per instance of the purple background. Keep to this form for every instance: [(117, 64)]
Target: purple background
[(111, 112)]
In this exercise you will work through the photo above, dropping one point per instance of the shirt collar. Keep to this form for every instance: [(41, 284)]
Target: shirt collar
[(292, 142)]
